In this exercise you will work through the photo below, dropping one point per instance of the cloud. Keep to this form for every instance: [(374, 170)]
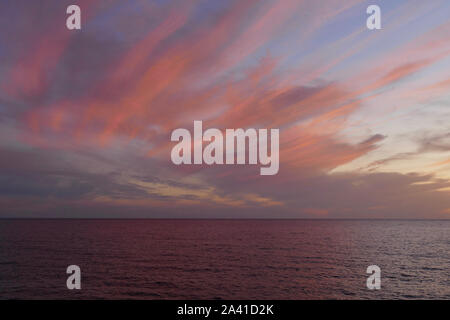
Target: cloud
[(86, 116), (426, 144)]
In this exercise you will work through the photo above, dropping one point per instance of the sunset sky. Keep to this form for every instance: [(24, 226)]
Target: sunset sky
[(86, 115)]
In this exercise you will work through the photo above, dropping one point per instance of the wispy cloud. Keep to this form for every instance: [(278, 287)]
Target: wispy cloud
[(86, 115)]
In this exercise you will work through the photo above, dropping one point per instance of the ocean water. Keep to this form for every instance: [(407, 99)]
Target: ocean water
[(224, 259)]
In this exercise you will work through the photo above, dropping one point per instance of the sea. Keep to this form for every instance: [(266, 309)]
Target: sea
[(224, 259)]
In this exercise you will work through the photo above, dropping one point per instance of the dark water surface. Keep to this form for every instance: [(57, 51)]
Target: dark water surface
[(224, 259)]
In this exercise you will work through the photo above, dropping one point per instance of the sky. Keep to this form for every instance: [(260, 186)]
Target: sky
[(86, 115)]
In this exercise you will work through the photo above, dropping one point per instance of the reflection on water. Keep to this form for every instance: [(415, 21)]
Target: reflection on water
[(224, 259)]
